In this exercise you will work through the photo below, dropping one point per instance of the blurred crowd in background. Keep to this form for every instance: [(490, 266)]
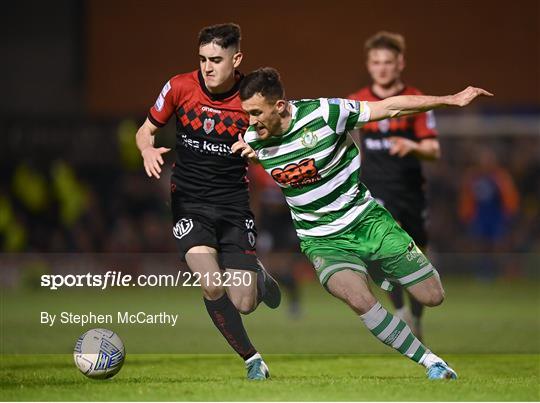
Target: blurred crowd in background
[(71, 177), (483, 194)]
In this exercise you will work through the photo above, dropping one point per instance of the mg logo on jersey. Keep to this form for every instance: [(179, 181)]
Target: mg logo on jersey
[(208, 125), (182, 227), (297, 175)]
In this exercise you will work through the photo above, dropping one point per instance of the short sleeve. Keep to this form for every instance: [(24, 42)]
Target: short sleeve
[(343, 115), (166, 104), (425, 126)]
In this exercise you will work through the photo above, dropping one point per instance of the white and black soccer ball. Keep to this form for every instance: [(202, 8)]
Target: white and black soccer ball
[(99, 353)]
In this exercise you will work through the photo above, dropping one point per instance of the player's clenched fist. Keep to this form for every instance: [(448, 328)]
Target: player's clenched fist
[(153, 160), (244, 149)]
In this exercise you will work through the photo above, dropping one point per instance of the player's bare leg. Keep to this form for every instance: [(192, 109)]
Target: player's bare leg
[(353, 288), (224, 314), (204, 261), (243, 295), (428, 292), (254, 288), (411, 315)]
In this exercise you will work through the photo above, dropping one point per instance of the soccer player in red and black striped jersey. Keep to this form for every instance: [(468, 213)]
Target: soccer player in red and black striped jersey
[(392, 151), (212, 222)]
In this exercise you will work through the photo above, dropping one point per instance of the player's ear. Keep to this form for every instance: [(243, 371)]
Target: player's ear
[(368, 60), (281, 105), (237, 59), (401, 62)]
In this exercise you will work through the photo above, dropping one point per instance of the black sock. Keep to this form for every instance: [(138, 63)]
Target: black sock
[(416, 307), (228, 321), (396, 296)]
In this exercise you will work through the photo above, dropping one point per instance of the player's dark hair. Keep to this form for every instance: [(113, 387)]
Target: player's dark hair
[(386, 40), (265, 81), (224, 35)]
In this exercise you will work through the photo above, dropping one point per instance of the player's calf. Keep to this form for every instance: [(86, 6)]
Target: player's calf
[(245, 304), (212, 292), (243, 294)]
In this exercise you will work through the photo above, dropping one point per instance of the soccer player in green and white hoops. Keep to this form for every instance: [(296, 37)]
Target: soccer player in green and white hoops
[(304, 145)]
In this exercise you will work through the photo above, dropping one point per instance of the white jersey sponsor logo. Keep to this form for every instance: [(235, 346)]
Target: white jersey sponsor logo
[(205, 146), (160, 102), (384, 125), (378, 144), (208, 109)]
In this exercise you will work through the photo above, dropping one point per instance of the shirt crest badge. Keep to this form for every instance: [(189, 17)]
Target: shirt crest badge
[(309, 139), (208, 125)]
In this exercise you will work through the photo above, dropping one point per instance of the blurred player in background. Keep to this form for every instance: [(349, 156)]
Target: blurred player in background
[(488, 202), (305, 147), (213, 225), (392, 151)]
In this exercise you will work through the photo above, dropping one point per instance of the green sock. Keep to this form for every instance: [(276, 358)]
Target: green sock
[(394, 333)]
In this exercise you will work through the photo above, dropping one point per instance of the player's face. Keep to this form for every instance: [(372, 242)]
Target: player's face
[(217, 66), (384, 66), (264, 115)]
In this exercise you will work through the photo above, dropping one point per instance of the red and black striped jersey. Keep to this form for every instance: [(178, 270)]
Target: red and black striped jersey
[(379, 168), (207, 125)]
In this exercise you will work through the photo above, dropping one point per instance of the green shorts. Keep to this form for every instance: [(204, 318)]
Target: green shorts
[(375, 245)]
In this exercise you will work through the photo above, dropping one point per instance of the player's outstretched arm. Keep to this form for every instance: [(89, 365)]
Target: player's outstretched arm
[(409, 104), (151, 156)]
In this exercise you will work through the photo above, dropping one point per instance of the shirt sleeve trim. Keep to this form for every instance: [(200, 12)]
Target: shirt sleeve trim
[(154, 121)]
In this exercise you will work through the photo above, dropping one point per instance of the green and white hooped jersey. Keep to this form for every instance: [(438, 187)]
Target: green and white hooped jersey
[(317, 164)]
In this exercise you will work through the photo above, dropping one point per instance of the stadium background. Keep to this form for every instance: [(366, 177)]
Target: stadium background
[(79, 77)]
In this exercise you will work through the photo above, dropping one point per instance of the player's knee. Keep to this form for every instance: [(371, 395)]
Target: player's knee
[(245, 304), (438, 297), (213, 292), (435, 297), (361, 303)]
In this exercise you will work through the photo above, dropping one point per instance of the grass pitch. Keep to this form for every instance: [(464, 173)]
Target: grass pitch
[(489, 333), (483, 377)]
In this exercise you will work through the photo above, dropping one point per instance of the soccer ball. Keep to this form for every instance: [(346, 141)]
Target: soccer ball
[(99, 353)]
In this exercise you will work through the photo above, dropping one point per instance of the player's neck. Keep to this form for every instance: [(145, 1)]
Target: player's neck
[(387, 90), (286, 118), (223, 88)]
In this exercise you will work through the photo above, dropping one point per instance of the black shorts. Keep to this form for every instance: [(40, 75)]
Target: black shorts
[(228, 229), (408, 209)]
